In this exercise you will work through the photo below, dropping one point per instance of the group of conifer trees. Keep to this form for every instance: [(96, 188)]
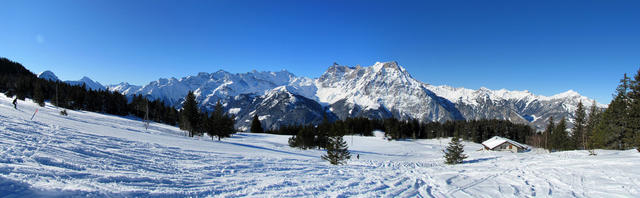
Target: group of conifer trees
[(617, 127), (196, 122), (327, 135)]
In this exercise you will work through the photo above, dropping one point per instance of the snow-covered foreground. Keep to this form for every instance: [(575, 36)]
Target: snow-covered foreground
[(90, 154)]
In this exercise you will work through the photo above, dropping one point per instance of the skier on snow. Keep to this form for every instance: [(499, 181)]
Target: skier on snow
[(15, 103)]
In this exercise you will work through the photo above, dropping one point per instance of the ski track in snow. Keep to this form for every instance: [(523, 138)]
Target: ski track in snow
[(90, 154)]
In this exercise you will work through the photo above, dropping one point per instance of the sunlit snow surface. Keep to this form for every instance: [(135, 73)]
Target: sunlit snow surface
[(90, 154)]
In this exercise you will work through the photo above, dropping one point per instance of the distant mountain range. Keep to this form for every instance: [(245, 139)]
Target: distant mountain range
[(382, 90), (90, 84)]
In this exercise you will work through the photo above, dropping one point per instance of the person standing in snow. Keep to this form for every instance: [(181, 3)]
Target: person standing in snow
[(15, 103)]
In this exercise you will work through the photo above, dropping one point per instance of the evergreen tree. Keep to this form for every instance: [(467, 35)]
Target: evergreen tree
[(613, 125), (228, 127), (337, 150), (256, 126), (594, 118), (546, 136), (559, 136), (578, 131), (454, 152), (189, 115), (220, 124), (38, 93), (632, 138)]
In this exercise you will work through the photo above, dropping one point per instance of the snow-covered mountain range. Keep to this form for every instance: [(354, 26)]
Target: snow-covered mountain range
[(89, 84), (382, 90)]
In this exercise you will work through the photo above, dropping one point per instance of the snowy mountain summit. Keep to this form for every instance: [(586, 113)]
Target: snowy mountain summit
[(90, 84), (48, 75), (382, 90)]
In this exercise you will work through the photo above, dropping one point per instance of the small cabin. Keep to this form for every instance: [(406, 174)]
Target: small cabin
[(498, 143)]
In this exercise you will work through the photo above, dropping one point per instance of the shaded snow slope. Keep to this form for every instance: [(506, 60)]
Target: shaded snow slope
[(90, 154)]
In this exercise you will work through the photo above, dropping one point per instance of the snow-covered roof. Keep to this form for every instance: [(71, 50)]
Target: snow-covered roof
[(497, 141)]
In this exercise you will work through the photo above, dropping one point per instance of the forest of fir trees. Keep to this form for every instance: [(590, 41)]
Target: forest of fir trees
[(616, 127)]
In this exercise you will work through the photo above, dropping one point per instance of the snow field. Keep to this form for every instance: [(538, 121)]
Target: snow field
[(91, 154)]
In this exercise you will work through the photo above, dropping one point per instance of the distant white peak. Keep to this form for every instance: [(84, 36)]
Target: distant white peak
[(86, 79), (393, 65), (48, 75), (279, 89), (566, 94)]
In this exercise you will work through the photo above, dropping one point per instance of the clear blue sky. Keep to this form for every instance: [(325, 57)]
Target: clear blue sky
[(546, 47)]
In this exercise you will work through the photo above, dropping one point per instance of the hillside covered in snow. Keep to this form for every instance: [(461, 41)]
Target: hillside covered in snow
[(91, 154)]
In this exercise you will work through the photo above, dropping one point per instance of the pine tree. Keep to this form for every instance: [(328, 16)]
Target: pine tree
[(220, 124), (579, 137), (454, 153), (559, 136), (548, 133), (38, 94), (189, 115), (614, 123), (633, 127), (592, 121), (228, 127), (610, 127), (337, 150), (256, 126)]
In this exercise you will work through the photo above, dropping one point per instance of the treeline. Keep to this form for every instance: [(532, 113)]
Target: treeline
[(16, 80), (315, 136), (617, 127)]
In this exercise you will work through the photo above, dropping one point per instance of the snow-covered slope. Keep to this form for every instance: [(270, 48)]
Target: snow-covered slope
[(87, 154)]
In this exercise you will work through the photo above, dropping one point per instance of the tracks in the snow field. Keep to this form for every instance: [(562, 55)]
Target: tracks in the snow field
[(97, 153)]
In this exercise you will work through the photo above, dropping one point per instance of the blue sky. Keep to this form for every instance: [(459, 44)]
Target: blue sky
[(546, 47)]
